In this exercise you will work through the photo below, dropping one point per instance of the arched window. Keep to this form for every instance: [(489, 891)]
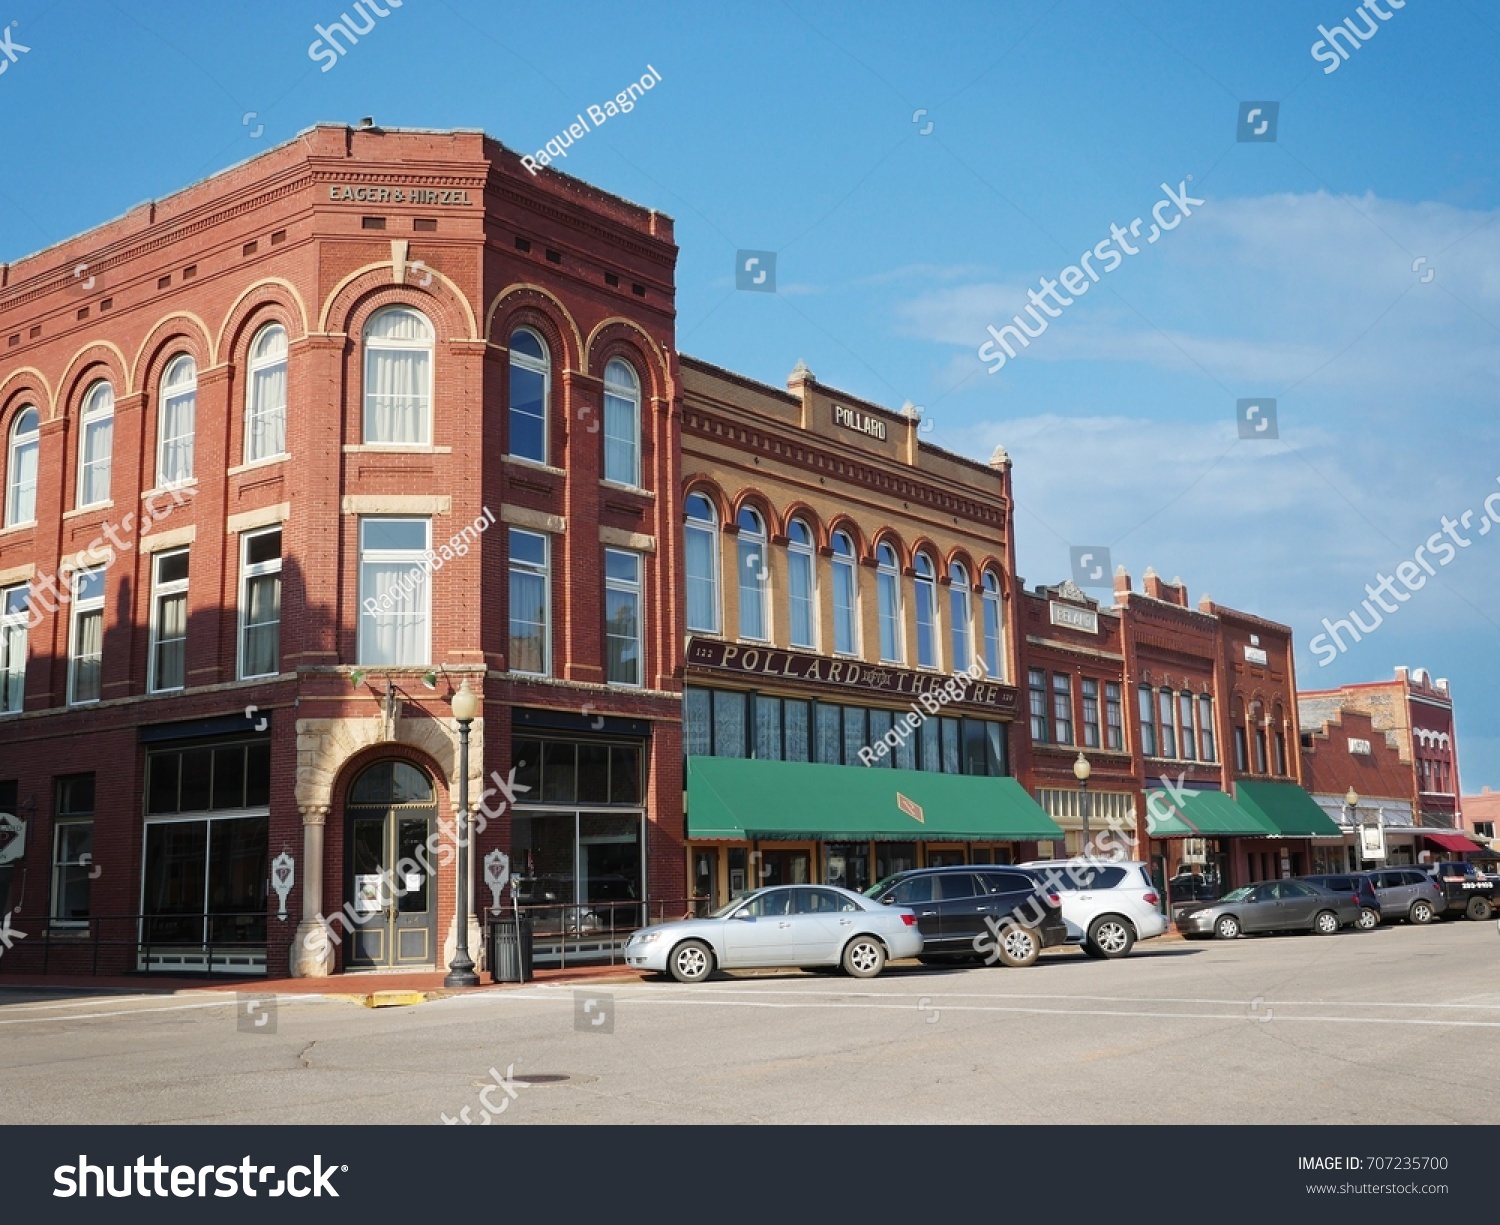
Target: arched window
[(265, 395), (390, 782), (702, 539), (927, 616), (961, 627), (993, 633), (1185, 725), (802, 588), (1258, 735), (1167, 722), (888, 585), (530, 391), (20, 468), (96, 437), (175, 422), (622, 424), (754, 571), (845, 596), (398, 378)]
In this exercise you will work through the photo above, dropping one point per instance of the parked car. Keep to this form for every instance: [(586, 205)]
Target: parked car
[(1107, 906), (1466, 890), (977, 912), (1273, 906), (1407, 893), (1370, 909), (796, 926)]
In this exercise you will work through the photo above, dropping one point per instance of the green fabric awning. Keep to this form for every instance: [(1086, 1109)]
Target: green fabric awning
[(1290, 810), (1200, 814), (731, 797)]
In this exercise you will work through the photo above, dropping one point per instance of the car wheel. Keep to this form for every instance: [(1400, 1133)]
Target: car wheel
[(691, 962), (1478, 909), (1326, 923), (1110, 936), (1368, 920), (1420, 912), (1017, 946), (1227, 928), (864, 957)]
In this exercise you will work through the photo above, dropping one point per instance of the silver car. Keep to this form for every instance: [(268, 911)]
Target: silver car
[(1273, 906), (801, 926), (1407, 893)]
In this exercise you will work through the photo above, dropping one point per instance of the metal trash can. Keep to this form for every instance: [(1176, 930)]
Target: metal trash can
[(510, 950)]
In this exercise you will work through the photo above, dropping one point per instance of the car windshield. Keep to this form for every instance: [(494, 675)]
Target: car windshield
[(1242, 894), (880, 886), (724, 911)]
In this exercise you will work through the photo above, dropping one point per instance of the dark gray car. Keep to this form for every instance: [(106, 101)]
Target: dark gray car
[(1407, 893), (1273, 906)]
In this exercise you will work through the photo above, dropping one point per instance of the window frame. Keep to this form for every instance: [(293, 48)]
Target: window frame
[(1166, 721), (92, 420), (82, 608), (1091, 726), (15, 626), (752, 552), (257, 364), (637, 587), (960, 617), (1207, 741), (370, 345), (1114, 716), (925, 584), (168, 394), (250, 571), (888, 580), (530, 569), (161, 592), (1187, 741), (533, 365), (847, 565), (1038, 696), (802, 552), (991, 606), (633, 397), (16, 443), (386, 556), (1146, 715), (1062, 708), (709, 528), (63, 822)]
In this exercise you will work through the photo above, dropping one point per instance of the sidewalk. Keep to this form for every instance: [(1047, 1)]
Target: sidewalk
[(365, 988)]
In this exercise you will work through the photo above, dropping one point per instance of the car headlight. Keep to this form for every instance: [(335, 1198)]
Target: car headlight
[(645, 938)]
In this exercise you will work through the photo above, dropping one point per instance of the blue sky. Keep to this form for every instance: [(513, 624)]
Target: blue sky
[(790, 127)]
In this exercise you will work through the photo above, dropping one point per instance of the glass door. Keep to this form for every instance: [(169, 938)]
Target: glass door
[(391, 817)]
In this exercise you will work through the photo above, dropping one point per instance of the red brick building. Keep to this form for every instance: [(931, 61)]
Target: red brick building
[(288, 458), (1347, 751)]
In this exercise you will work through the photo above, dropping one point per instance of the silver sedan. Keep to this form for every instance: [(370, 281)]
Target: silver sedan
[(1273, 906), (801, 926)]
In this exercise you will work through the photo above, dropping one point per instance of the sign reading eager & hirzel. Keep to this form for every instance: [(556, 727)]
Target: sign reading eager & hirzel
[(366, 194), (851, 674)]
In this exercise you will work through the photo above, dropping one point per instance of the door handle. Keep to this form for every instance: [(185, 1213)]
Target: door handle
[(927, 914), (845, 922), (983, 909), (783, 923)]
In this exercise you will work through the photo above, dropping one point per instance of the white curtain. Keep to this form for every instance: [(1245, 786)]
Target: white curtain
[(622, 424), (528, 622), (90, 647), (267, 424), (262, 625), (702, 580), (12, 665), (396, 403), (23, 482), (177, 413), (400, 632), (800, 591), (171, 642), (843, 606), (753, 573)]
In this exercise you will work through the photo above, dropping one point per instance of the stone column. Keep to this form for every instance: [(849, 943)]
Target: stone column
[(312, 950)]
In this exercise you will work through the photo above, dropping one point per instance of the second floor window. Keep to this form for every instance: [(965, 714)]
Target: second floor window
[(1090, 694), (395, 591), (265, 395), (622, 424), (530, 373), (1036, 685), (802, 586), (1241, 750), (926, 611), (86, 637), (169, 613), (1185, 721), (13, 618), (1206, 727), (529, 600), (1148, 721), (1062, 708), (888, 581), (960, 626), (845, 596), (992, 624), (754, 573), (96, 444), (701, 540), (622, 618), (1114, 724), (21, 468), (398, 378), (175, 422), (1165, 704), (260, 603)]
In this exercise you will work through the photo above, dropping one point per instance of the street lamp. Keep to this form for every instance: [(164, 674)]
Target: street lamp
[(1081, 771), (1351, 803), (461, 968)]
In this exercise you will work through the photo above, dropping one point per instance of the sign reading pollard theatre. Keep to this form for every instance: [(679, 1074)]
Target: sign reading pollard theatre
[(847, 674)]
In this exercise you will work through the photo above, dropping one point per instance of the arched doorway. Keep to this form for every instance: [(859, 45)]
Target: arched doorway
[(390, 818)]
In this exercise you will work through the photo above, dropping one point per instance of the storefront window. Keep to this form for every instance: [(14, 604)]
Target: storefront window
[(951, 744), (729, 724), (767, 728), (881, 722), (848, 864), (893, 857), (830, 736), (856, 734), (697, 723), (795, 714)]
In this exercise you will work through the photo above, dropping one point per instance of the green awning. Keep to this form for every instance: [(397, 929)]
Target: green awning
[(731, 797), (1292, 812), (1200, 814)]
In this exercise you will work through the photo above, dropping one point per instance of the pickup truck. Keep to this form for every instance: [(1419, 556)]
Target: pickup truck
[(1466, 890)]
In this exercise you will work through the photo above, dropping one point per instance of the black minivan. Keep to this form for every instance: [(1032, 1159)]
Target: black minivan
[(977, 912)]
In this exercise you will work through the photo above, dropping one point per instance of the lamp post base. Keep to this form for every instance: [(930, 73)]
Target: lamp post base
[(461, 973)]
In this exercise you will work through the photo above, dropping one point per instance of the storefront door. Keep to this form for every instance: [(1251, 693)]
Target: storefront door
[(391, 818)]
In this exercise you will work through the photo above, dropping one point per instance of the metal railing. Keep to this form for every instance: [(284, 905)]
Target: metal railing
[(233, 943), (592, 932)]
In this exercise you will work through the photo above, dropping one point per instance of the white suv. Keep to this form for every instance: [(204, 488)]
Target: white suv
[(1107, 905)]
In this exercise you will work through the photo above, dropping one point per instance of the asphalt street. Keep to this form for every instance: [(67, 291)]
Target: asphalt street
[(1379, 1027)]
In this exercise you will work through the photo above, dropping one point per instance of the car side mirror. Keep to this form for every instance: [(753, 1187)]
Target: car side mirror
[(743, 914)]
